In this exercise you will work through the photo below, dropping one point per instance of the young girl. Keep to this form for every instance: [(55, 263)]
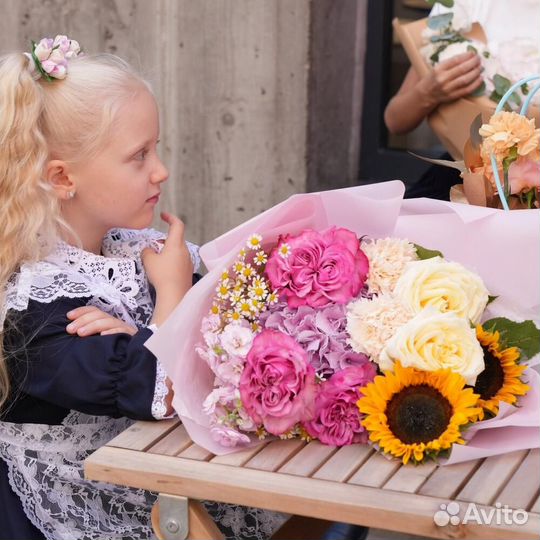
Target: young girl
[(83, 283)]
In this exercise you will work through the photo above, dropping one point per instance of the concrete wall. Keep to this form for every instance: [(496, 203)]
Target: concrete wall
[(235, 89)]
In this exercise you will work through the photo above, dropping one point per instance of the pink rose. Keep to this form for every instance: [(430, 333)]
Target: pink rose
[(317, 269), (337, 420), (524, 175), (277, 386)]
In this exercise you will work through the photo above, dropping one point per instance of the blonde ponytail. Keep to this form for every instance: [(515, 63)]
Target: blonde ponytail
[(68, 119), (27, 207)]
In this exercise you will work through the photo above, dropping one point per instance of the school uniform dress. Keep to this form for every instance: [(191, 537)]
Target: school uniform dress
[(70, 395)]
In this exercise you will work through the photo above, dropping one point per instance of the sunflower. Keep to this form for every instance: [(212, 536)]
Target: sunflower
[(501, 378), (416, 414)]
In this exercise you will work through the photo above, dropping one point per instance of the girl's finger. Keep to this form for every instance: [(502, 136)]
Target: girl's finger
[(95, 327), (120, 330), (77, 312), (176, 230), (86, 319), (102, 325)]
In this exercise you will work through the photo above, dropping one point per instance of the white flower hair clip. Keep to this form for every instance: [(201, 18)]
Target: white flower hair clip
[(49, 57)]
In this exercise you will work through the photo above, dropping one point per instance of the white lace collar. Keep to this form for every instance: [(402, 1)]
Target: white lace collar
[(114, 281)]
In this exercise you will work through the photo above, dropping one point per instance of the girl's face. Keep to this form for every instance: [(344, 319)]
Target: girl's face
[(120, 186)]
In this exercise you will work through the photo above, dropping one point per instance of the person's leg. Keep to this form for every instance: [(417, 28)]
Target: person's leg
[(345, 531)]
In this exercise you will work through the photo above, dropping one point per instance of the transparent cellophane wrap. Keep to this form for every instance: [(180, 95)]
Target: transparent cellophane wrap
[(501, 247), (449, 121)]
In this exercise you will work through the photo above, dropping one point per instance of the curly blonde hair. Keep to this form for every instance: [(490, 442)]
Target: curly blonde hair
[(67, 119)]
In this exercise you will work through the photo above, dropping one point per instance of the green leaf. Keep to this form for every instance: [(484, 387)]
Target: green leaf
[(486, 54), (491, 299), (472, 48), (436, 22), (525, 88), (495, 96), (515, 98), (480, 90), (435, 56), (424, 253), (446, 3), (451, 37), (502, 84), (510, 158), (531, 197), (523, 335)]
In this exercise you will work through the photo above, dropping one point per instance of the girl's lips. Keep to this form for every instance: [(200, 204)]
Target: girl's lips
[(153, 200)]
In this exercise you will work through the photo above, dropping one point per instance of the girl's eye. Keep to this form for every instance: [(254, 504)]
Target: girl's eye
[(141, 156)]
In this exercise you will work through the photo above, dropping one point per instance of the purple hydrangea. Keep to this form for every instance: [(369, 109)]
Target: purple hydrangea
[(321, 332)]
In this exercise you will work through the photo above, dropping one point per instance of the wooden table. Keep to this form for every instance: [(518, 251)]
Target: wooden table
[(353, 484)]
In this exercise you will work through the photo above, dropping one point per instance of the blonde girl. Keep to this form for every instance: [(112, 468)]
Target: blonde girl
[(83, 284)]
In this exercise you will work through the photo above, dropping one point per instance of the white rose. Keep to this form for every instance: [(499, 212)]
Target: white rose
[(433, 341), (461, 47), (446, 286)]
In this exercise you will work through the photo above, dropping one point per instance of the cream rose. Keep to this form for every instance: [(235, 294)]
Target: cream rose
[(434, 340), (446, 286)]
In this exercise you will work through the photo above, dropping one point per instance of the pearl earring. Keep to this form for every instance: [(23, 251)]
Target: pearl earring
[(70, 194)]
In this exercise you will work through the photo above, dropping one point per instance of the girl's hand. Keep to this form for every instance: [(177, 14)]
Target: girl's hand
[(171, 271), (89, 320)]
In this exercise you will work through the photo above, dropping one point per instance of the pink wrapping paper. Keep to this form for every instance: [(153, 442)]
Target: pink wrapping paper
[(501, 246)]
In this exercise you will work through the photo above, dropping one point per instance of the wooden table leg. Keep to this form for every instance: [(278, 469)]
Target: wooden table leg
[(200, 523)]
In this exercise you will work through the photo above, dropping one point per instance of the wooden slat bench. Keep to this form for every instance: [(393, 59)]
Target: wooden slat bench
[(353, 484)]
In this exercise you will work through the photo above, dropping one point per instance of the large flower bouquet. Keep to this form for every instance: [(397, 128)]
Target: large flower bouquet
[(297, 330), (331, 325)]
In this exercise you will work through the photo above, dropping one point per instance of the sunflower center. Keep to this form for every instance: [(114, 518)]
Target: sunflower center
[(418, 414), (491, 380)]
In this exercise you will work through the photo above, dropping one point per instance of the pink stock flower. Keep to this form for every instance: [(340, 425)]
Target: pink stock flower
[(337, 420), (524, 175), (316, 269), (228, 437), (277, 386)]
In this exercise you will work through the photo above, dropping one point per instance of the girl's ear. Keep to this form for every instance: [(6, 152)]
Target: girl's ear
[(59, 178)]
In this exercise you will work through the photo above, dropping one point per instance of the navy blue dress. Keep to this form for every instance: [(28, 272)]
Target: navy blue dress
[(52, 373)]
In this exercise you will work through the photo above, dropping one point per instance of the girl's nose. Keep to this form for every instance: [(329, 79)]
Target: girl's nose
[(160, 173)]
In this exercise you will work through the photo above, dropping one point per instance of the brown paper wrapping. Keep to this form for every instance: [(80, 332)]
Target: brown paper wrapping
[(450, 121), (477, 190)]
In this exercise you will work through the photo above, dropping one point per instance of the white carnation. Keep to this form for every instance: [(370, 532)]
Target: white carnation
[(371, 323), (387, 260)]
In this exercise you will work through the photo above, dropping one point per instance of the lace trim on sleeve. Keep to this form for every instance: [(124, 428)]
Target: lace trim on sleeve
[(159, 408)]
